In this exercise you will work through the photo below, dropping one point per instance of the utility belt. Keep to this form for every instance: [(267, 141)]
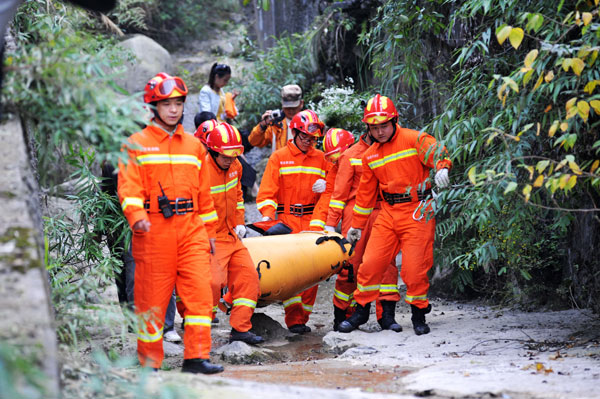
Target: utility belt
[(296, 209), (402, 198), (178, 206)]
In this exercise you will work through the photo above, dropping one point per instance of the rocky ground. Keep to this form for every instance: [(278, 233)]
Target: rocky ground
[(473, 351)]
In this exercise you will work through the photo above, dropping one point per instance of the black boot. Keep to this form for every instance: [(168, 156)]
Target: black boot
[(387, 321), (299, 329), (203, 366), (358, 318), (339, 315), (247, 337), (418, 319)]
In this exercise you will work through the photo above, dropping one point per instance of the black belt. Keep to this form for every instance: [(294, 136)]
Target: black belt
[(401, 198), (180, 206), (297, 209)]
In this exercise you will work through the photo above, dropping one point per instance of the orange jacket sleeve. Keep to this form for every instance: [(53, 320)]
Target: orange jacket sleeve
[(341, 191), (266, 200), (206, 207), (366, 197), (240, 210), (258, 136), (131, 189), (430, 152)]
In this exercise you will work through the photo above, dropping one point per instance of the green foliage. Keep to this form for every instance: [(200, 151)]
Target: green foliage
[(340, 107), (515, 178), (20, 377), (394, 49), (290, 61), (79, 267), (133, 15), (60, 79)]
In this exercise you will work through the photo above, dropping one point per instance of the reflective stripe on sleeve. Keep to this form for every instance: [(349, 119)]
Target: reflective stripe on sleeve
[(132, 201), (337, 204), (355, 161), (264, 203), (317, 223), (240, 205), (209, 217), (362, 211)]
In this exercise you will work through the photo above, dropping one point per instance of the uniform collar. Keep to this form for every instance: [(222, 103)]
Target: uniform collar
[(162, 134), (296, 151)]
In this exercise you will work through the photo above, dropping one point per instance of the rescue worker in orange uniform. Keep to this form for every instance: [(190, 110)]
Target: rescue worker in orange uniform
[(204, 129), (236, 268), (335, 142), (165, 195), (397, 167), (276, 133), (340, 207), (290, 188)]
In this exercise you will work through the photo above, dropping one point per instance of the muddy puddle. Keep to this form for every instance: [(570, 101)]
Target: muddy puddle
[(322, 374)]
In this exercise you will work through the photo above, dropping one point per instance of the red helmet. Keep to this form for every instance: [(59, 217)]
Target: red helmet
[(205, 128), (308, 122), (164, 86), (225, 139), (336, 141), (379, 109)]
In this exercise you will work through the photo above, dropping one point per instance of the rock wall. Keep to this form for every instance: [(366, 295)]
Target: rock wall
[(282, 16), (25, 306)]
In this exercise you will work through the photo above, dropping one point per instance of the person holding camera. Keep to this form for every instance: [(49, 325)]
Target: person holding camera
[(274, 127), (164, 191)]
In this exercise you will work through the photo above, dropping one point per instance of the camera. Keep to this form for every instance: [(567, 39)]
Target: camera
[(277, 116)]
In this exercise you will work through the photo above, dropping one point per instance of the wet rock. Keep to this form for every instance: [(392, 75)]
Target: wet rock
[(241, 353), (339, 343), (358, 352), (266, 327)]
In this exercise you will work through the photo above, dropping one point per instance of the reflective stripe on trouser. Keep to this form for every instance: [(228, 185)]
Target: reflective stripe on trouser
[(394, 230), (298, 312), (174, 253), (343, 294), (242, 281), (298, 308)]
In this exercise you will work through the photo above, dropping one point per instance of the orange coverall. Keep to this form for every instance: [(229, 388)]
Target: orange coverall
[(234, 266), (400, 166), (176, 251), (286, 190), (317, 222), (263, 138), (340, 207)]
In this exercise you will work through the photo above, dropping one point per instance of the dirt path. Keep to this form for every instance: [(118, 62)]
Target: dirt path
[(473, 351)]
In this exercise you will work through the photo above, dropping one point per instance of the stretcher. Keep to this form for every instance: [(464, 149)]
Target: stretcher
[(290, 263)]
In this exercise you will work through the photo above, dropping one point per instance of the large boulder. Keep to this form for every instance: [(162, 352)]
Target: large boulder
[(151, 58)]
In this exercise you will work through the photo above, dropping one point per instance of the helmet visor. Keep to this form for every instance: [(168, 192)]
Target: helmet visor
[(314, 129), (167, 86), (233, 151)]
